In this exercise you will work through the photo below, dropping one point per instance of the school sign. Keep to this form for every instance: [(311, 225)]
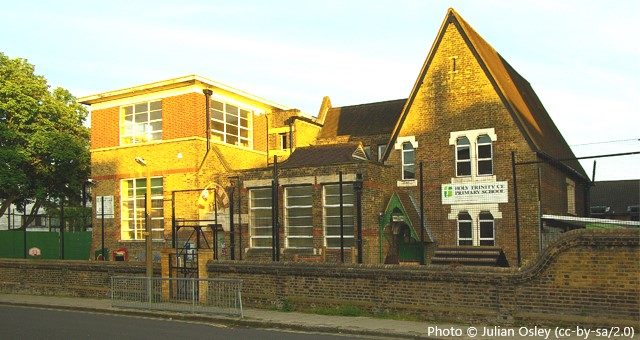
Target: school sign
[(475, 192)]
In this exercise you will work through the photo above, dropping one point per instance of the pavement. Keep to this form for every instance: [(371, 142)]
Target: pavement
[(345, 325), (255, 318)]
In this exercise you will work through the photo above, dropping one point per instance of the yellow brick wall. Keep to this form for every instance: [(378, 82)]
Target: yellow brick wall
[(461, 100)]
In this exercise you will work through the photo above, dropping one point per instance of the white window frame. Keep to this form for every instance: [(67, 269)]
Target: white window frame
[(403, 151), (345, 205), (470, 221), (381, 149), (493, 229), (478, 144), (133, 132), (252, 210), (472, 136), (458, 147), (224, 134), (138, 222), (287, 227)]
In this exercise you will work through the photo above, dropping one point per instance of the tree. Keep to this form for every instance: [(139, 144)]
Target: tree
[(44, 148)]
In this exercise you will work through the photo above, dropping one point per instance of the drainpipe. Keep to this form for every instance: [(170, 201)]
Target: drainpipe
[(207, 99), (341, 219), (232, 229), (290, 137), (422, 214), (515, 199), (357, 187)]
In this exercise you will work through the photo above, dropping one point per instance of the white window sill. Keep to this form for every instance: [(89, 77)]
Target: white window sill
[(407, 183), (467, 179), (141, 241)]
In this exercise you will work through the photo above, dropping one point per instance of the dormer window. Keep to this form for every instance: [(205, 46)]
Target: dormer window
[(463, 157)]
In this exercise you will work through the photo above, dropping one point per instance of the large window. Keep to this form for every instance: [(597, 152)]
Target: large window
[(230, 123), (261, 227), (485, 155), (474, 152), (142, 122), (408, 161), (463, 157), (298, 216), (331, 204), (465, 229), (132, 200)]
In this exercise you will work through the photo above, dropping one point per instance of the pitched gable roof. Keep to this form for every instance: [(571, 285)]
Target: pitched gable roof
[(328, 154), (361, 120), (516, 93)]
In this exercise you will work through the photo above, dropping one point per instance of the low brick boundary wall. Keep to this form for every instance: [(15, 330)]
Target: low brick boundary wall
[(64, 277), (587, 277)]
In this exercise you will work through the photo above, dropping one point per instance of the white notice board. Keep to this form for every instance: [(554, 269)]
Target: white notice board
[(108, 206)]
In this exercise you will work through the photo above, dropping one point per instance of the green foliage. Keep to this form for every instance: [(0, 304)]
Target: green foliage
[(284, 305), (44, 148)]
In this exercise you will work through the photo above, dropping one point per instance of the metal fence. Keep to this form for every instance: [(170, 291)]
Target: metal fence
[(204, 296)]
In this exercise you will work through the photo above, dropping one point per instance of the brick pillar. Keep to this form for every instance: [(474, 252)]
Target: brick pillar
[(165, 261), (204, 256)]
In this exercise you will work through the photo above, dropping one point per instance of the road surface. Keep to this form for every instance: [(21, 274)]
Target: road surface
[(38, 323)]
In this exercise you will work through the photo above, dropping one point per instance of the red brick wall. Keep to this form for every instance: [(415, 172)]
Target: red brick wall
[(64, 278), (184, 116), (105, 128)]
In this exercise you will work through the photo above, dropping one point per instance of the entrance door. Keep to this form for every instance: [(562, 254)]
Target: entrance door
[(410, 249)]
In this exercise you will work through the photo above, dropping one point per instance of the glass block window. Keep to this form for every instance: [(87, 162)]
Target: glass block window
[(465, 229), (230, 123), (299, 216), (485, 155), (261, 225), (463, 157), (132, 198), (141, 122), (331, 209)]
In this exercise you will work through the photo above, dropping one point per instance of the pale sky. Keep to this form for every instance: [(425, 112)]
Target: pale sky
[(581, 57)]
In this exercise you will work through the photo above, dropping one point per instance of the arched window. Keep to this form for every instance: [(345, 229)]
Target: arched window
[(465, 230), (487, 229), (485, 155), (408, 161), (463, 157)]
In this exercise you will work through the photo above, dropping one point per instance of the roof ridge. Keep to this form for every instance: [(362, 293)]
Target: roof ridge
[(372, 103), (353, 143)]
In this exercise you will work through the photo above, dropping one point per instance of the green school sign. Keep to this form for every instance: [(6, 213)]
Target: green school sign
[(475, 192)]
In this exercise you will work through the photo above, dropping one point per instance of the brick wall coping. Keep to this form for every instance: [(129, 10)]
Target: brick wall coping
[(79, 265), (577, 238)]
